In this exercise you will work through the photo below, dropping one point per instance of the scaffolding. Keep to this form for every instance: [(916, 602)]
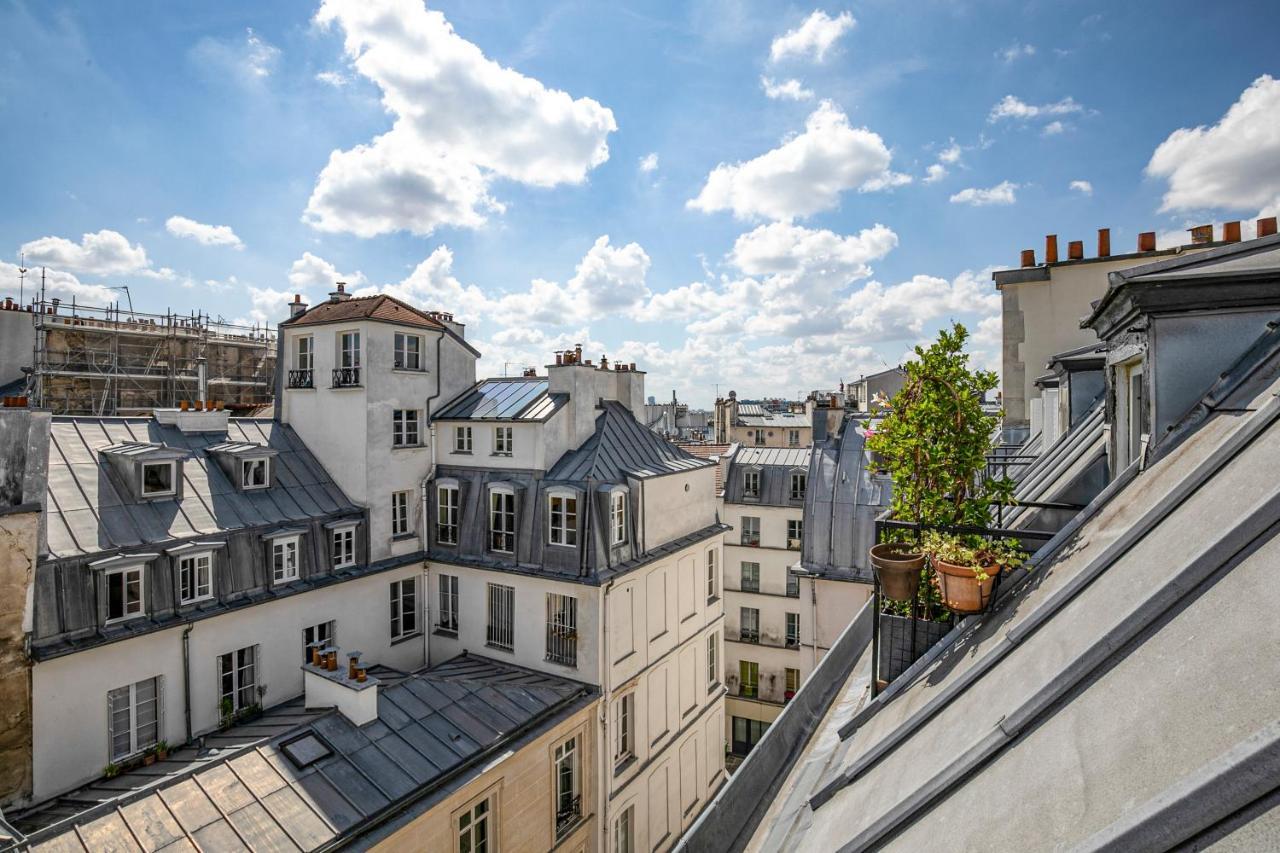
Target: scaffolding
[(113, 361)]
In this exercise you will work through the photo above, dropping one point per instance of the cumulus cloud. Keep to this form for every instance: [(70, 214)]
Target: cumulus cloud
[(1233, 164), (1015, 51), (249, 60), (105, 252), (1001, 193), (336, 79), (935, 173), (461, 121), (57, 283), (311, 272), (812, 39), (789, 90), (1082, 187), (950, 155), (880, 312), (1053, 128), (1016, 109), (805, 174), (208, 235), (649, 162)]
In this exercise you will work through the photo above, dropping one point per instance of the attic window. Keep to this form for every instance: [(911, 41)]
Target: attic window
[(158, 479), (306, 750), (751, 484), (253, 473)]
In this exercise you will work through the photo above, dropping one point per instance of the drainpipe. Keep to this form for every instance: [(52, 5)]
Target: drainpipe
[(604, 750), (426, 503), (186, 676), (813, 603)]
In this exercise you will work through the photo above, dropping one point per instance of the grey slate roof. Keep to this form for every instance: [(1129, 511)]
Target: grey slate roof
[(519, 399), (620, 447), (775, 465), (89, 512), (430, 726), (789, 457), (1073, 470), (1121, 696)]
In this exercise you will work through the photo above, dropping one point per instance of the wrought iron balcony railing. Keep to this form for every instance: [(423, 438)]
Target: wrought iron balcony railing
[(301, 379), (346, 377)]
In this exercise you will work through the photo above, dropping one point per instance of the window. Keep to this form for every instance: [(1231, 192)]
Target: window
[(473, 828), (759, 436), (349, 349), (562, 528), (195, 577), (404, 428), (793, 585), (624, 728), (795, 533), (447, 515), (793, 438), (750, 577), (502, 441), (462, 439), (713, 577), (317, 635), (1130, 412), (751, 484), (713, 668), (284, 558), (253, 473), (799, 483), (447, 606), (624, 831), (562, 629), (793, 630), (568, 793), (793, 682), (750, 530), (124, 593), (746, 734), (404, 608), (502, 521), (304, 354), (748, 679), (617, 518), (400, 513), (158, 479), (344, 547), (749, 625), (133, 718), (237, 680), (500, 632), (408, 351)]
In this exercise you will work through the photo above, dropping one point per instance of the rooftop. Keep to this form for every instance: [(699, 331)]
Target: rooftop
[(515, 399), (620, 447)]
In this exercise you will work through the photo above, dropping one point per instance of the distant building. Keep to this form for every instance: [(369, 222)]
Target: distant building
[(676, 421), (761, 424)]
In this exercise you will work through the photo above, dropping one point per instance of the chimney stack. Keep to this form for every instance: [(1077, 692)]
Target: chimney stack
[(297, 307), (1104, 242), (1231, 231), (1147, 241), (1075, 250), (1201, 234), (1266, 226), (1028, 257), (1051, 249), (340, 295)]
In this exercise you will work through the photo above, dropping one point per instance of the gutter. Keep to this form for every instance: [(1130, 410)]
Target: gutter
[(186, 676)]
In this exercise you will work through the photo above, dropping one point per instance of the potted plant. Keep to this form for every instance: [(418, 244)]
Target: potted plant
[(162, 750), (966, 568), (897, 566), (227, 711), (149, 757), (111, 771)]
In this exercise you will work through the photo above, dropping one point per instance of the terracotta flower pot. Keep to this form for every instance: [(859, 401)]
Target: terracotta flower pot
[(961, 590), (898, 570)]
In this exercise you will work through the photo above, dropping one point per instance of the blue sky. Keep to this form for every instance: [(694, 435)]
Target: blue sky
[(765, 197)]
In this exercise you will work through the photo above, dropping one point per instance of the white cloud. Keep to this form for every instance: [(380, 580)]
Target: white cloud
[(103, 253), (649, 162), (950, 155), (805, 174), (1016, 109), (1016, 51), (249, 60), (265, 305), (1234, 164), (879, 312), (336, 79), (310, 272), (1053, 128), (208, 235), (813, 38), (57, 283), (790, 90), (1001, 193), (1082, 187), (461, 121), (934, 173)]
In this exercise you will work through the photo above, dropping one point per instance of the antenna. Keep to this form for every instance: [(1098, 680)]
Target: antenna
[(125, 288), (22, 278)]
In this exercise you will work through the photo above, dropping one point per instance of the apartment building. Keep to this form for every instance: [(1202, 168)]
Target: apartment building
[(759, 424), (568, 538)]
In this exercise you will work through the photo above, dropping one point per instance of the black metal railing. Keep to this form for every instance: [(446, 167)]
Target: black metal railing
[(568, 815), (301, 379), (746, 635), (346, 377)]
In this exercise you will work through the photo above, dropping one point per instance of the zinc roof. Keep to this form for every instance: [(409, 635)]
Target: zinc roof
[(622, 446), (517, 399)]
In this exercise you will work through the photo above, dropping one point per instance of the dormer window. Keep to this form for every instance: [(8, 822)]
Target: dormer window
[(562, 522), (158, 479), (799, 483), (408, 351), (617, 517), (195, 577), (751, 484), (124, 593), (253, 473), (502, 520), (344, 547), (284, 559)]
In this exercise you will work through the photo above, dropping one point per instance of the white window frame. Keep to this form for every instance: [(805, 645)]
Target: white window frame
[(401, 353), (201, 591), (342, 546), (562, 518), (745, 666), (140, 570), (624, 728), (751, 484), (404, 608), (239, 685), (400, 503), (754, 574), (448, 513), (500, 622), (349, 349), (406, 428), (137, 742), (502, 495), (160, 493), (462, 439), (743, 634), (801, 479), (562, 629), (447, 603), (713, 576), (795, 526), (503, 441), (624, 839), (476, 824), (792, 640), (713, 663), (567, 755), (322, 632), (304, 357), (285, 547), (793, 438), (617, 517), (249, 464), (755, 526)]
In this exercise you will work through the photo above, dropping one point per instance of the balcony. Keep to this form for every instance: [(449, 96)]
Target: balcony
[(793, 544), (568, 815), (751, 539), (301, 379), (748, 636), (346, 377)]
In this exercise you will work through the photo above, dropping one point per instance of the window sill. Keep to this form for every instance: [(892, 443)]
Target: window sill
[(344, 387), (446, 632), (416, 635), (457, 452), (714, 688), (497, 648), (499, 453), (337, 567), (400, 537), (418, 446), (623, 766), (417, 371), (564, 663), (713, 599)]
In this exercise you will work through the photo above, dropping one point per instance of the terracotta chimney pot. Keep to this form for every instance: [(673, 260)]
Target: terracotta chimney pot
[(1266, 226), (1231, 231), (1051, 249), (1075, 250), (1147, 241), (1104, 242), (1028, 257)]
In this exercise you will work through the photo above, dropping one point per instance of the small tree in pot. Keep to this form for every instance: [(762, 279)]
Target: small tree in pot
[(934, 441)]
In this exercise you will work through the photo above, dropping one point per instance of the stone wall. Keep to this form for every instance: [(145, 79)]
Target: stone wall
[(18, 537)]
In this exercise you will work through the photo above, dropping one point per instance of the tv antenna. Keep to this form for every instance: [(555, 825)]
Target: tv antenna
[(22, 278)]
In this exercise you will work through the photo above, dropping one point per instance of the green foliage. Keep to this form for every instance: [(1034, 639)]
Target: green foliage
[(111, 770), (973, 551)]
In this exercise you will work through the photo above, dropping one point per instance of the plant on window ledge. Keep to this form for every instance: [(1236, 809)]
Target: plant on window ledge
[(227, 712), (966, 571), (933, 441), (111, 771)]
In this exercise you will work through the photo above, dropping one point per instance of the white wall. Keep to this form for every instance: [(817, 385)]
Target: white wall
[(528, 446), (677, 504), (17, 344), (69, 694)]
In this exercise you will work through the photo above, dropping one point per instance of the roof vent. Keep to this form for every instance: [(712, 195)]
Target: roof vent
[(340, 295), (297, 307), (211, 417), (1201, 234)]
